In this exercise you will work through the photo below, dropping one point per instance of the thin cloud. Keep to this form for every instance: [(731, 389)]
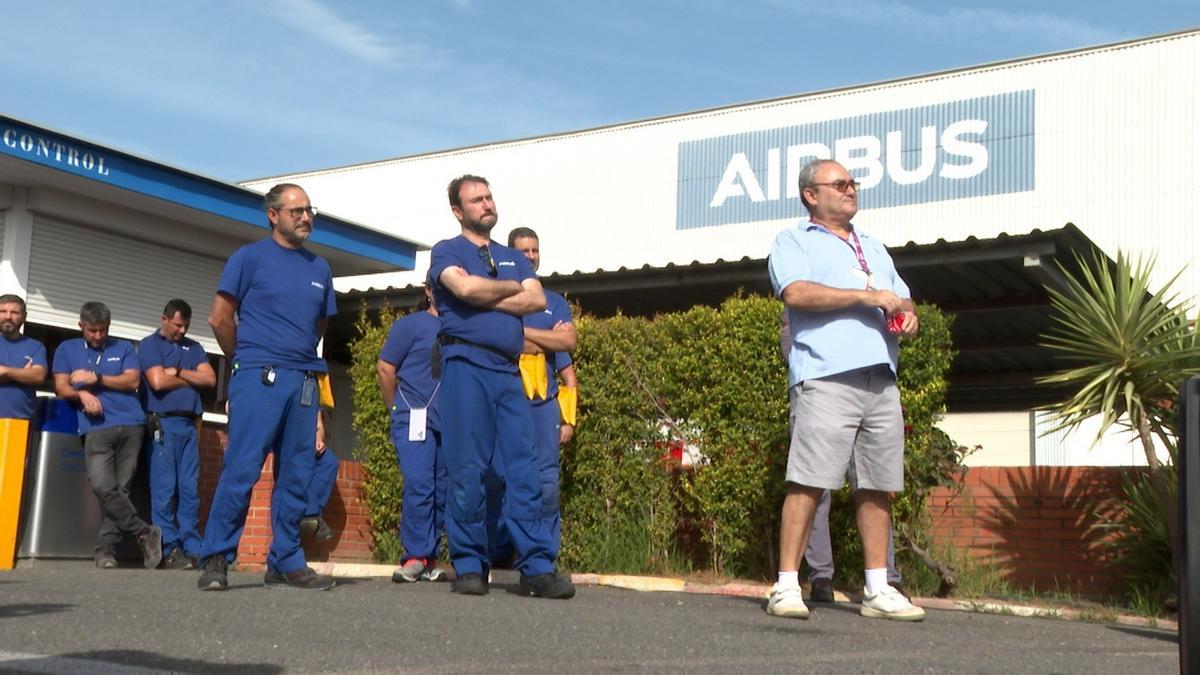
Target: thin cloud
[(1040, 27), (353, 39)]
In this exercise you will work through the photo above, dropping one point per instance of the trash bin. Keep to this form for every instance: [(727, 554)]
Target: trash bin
[(61, 515)]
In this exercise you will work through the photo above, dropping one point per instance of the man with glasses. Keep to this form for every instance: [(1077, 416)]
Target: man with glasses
[(282, 296), (846, 307), (23, 363), (482, 290)]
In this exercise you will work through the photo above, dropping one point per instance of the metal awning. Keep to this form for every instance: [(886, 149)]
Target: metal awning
[(994, 287)]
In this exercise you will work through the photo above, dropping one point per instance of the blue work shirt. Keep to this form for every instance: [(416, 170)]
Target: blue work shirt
[(834, 341), (408, 347), (187, 354), (556, 310), (18, 401), (281, 295), (490, 328), (121, 408)]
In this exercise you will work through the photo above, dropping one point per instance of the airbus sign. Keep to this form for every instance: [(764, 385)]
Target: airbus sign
[(968, 148)]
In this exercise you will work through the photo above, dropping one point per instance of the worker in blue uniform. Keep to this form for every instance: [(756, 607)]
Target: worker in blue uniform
[(410, 391), (550, 338), (282, 296), (482, 289), (23, 364), (174, 368), (99, 376)]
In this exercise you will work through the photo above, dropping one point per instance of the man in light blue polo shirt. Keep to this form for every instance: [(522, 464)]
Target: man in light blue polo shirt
[(23, 363), (846, 307), (99, 376), (273, 303), (175, 367)]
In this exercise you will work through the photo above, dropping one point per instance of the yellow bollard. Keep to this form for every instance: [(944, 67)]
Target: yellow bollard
[(14, 440)]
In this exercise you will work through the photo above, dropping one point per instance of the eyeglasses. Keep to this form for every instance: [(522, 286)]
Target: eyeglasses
[(485, 254), (298, 211), (841, 185)]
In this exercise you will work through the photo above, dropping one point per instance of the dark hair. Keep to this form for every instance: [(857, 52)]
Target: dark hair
[(177, 306), (455, 186), (521, 233), (274, 197), (10, 299), (95, 312)]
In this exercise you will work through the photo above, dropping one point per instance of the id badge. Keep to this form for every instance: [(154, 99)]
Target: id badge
[(416, 424), (308, 392)]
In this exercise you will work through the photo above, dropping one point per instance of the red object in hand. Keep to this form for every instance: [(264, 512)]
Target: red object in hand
[(895, 323)]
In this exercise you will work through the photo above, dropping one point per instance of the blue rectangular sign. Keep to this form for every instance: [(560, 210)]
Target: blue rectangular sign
[(968, 148)]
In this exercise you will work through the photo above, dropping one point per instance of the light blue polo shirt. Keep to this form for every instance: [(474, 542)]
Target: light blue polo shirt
[(121, 408), (18, 401), (836, 341), (490, 328), (281, 295)]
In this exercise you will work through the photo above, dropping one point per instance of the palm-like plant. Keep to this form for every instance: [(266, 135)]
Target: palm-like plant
[(1129, 351)]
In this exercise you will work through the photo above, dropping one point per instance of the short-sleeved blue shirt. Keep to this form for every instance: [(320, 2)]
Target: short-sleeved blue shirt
[(115, 357), (187, 354), (281, 295), (489, 327), (18, 401), (556, 310), (408, 347), (836, 341)]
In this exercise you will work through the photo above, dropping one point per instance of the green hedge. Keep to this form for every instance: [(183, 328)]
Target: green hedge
[(709, 379)]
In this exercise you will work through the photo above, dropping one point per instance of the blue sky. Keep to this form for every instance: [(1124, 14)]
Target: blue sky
[(238, 90)]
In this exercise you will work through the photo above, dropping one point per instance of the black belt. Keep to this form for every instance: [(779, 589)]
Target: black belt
[(444, 340), (177, 413)]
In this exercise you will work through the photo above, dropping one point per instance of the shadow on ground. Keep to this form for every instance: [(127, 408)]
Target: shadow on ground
[(132, 658), (32, 609)]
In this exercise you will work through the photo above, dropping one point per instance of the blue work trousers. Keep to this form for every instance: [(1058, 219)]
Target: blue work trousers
[(265, 418), (324, 477), (546, 424), (174, 479), (486, 422), (423, 504)]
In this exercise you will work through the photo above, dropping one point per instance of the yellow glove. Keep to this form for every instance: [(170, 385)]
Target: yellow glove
[(533, 375), (568, 400), (325, 391)]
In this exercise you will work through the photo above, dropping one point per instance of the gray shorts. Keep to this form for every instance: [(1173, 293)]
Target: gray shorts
[(847, 425)]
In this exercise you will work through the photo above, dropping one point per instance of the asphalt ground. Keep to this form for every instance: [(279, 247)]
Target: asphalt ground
[(69, 617)]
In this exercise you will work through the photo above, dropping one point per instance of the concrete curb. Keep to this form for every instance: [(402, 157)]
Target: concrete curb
[(761, 591)]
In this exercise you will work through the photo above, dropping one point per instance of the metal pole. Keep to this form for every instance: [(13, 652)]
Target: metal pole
[(1188, 558)]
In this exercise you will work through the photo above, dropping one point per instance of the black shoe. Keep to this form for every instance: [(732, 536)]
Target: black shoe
[(150, 541), (177, 560), (323, 531), (309, 525), (214, 577), (305, 579), (822, 590), (471, 584), (105, 560), (547, 585)]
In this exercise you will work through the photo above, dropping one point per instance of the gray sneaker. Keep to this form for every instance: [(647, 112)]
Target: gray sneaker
[(105, 560), (434, 574), (412, 570), (150, 541)]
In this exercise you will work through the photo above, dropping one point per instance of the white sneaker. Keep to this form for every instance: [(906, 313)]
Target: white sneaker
[(787, 602), (890, 604)]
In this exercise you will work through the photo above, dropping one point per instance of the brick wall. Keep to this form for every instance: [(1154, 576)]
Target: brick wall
[(1033, 522), (344, 513)]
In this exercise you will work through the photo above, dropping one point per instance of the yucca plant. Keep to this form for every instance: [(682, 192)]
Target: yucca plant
[(1129, 349)]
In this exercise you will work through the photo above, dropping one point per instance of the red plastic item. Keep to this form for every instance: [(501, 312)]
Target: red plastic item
[(895, 323)]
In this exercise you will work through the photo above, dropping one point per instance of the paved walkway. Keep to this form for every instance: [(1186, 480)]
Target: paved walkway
[(69, 617)]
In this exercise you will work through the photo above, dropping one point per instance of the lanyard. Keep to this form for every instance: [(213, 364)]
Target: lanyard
[(431, 396), (856, 246)]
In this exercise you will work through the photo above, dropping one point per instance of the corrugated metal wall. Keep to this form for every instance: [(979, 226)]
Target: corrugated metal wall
[(1104, 138), (70, 265)]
